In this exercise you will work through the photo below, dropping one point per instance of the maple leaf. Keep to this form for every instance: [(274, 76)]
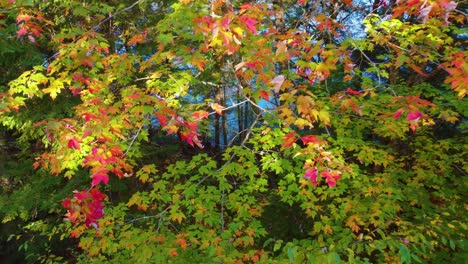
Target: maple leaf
[(182, 243), (162, 119), (323, 25), (171, 129), (449, 7), (348, 3), (66, 203), (97, 195), (75, 233), (265, 95), (250, 23), (218, 108), (98, 178), (289, 139), (225, 22), (351, 91), (73, 143), (173, 252), (311, 139), (200, 114), (398, 113), (23, 18), (254, 64), (88, 116), (23, 31), (424, 13), (116, 151), (331, 177), (414, 116), (281, 48), (412, 3), (277, 82), (311, 174), (32, 39)]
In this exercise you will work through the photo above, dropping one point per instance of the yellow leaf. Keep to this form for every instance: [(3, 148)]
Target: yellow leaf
[(238, 31), (301, 123), (54, 88), (325, 117), (178, 217)]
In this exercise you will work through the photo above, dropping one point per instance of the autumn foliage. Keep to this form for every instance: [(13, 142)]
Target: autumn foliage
[(233, 131)]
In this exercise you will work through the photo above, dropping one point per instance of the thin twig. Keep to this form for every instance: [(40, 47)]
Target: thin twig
[(229, 107), (133, 140)]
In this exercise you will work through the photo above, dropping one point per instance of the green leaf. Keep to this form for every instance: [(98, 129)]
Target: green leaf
[(405, 255)]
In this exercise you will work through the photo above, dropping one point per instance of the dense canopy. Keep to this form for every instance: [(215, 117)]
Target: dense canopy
[(229, 131)]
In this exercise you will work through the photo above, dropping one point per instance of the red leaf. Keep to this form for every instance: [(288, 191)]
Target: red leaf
[(66, 203), (289, 139), (331, 177), (225, 22), (80, 196), (23, 31), (414, 116), (97, 195), (73, 143), (254, 64), (98, 178), (88, 116), (265, 95), (250, 23), (116, 151), (162, 119), (351, 91), (398, 113), (412, 3), (311, 174), (312, 139)]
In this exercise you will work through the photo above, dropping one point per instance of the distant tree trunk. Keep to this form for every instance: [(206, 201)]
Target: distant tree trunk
[(240, 126), (224, 124), (246, 120)]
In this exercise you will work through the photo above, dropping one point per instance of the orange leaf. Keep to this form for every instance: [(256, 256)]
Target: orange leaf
[(200, 114), (182, 243), (218, 108), (289, 139), (348, 3)]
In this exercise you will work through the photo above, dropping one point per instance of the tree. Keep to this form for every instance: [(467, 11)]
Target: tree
[(330, 144)]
